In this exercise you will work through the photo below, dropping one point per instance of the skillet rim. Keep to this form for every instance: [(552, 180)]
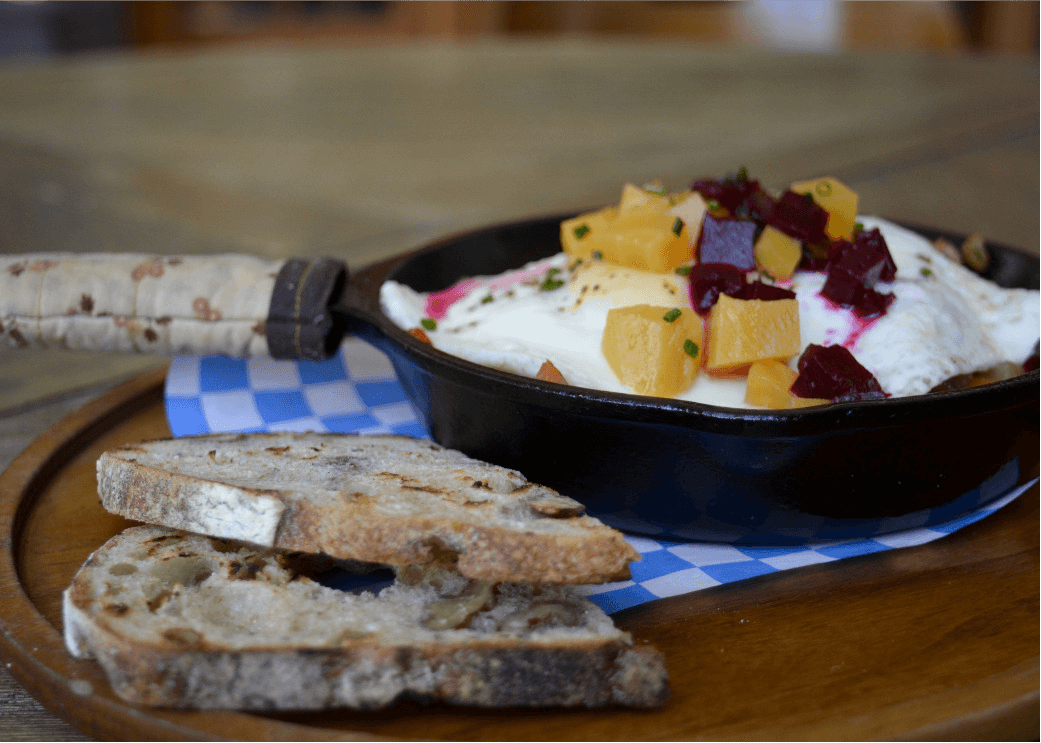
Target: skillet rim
[(864, 414)]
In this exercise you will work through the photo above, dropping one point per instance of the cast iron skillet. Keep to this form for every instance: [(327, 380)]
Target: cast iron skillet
[(672, 468)]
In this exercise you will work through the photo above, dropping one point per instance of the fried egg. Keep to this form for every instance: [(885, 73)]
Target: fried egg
[(944, 321)]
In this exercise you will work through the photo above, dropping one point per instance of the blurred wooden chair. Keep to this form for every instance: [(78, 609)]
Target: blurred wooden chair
[(205, 22), (1002, 27), (953, 27)]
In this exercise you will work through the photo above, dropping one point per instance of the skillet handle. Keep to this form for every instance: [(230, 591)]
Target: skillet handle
[(300, 322), (231, 304)]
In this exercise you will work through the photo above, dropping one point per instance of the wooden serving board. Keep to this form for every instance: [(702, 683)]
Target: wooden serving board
[(932, 642)]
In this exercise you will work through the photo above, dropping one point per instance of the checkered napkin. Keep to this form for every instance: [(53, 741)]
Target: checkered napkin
[(357, 391)]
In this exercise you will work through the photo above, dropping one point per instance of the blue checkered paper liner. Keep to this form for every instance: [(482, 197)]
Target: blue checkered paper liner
[(356, 391)]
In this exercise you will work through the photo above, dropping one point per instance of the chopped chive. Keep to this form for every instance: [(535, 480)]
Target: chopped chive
[(581, 231), (858, 227), (677, 226), (712, 204), (551, 282), (926, 272), (742, 175), (488, 299), (429, 323), (597, 255), (683, 270), (672, 315), (690, 348)]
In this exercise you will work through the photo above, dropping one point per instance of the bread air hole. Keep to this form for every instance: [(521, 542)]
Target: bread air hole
[(185, 569)]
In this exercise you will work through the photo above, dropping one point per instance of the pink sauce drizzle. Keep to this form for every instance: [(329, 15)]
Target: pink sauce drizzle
[(857, 325), (437, 304)]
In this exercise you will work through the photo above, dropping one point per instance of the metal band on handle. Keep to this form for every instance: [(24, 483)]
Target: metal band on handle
[(300, 324)]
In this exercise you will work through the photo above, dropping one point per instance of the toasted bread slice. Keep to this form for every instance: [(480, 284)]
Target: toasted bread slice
[(386, 499), (188, 621)]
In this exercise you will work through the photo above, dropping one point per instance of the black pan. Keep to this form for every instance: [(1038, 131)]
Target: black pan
[(687, 470)]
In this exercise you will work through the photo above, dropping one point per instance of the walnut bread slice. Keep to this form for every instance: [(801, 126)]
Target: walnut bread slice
[(187, 621), (385, 499)]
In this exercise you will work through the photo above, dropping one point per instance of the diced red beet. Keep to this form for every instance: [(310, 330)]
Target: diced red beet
[(800, 217), (854, 269), (767, 292), (759, 203), (872, 243), (709, 280), (842, 287), (847, 292), (867, 260), (832, 373), (737, 194), (838, 248), (872, 304), (814, 263), (719, 191), (727, 240)]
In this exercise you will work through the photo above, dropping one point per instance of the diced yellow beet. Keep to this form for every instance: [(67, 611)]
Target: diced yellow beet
[(777, 254), (648, 238), (742, 331), (643, 236), (581, 236), (636, 196), (653, 350), (769, 386), (836, 199), (806, 402), (690, 206)]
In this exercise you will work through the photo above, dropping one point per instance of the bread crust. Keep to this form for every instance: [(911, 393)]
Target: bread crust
[(388, 499), (160, 653)]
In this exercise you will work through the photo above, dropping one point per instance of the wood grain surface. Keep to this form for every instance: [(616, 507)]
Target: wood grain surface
[(933, 642)]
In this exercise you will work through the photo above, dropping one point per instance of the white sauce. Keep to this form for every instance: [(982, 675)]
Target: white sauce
[(940, 325)]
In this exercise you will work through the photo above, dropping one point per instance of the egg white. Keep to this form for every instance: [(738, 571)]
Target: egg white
[(944, 321)]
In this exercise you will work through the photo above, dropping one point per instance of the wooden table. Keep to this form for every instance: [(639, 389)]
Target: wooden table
[(363, 153)]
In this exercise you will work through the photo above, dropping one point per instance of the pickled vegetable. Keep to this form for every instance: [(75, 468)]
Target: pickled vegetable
[(777, 254), (636, 196), (833, 373), (769, 386), (727, 240), (639, 233), (837, 200), (800, 216), (582, 236), (743, 331), (653, 350)]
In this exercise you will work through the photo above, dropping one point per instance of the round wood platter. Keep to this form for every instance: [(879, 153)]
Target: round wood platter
[(932, 642)]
